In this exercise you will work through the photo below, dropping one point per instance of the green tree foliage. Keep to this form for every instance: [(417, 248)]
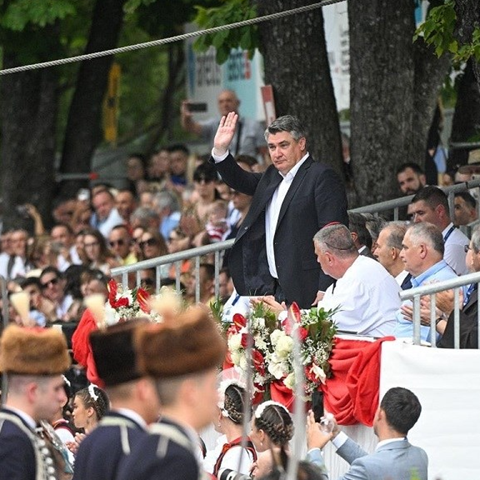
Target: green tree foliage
[(230, 11), (440, 28)]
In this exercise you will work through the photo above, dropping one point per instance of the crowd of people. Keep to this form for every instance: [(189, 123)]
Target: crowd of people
[(295, 242)]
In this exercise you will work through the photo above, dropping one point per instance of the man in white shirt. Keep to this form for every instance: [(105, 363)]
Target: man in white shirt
[(394, 458), (365, 293), (431, 205), (106, 215), (389, 246)]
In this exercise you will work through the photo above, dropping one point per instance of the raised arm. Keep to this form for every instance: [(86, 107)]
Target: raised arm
[(225, 133)]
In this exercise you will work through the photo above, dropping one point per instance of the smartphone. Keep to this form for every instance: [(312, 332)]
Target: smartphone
[(197, 107)]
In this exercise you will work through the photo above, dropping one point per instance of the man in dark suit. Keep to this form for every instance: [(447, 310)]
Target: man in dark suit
[(182, 355), (294, 198), (394, 458), (133, 399), (33, 360)]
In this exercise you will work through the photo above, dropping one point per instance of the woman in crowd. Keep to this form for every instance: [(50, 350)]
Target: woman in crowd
[(178, 242), (153, 245), (229, 452), (272, 426), (97, 254), (89, 406)]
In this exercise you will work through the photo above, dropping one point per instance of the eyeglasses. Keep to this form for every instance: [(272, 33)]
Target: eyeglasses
[(88, 245), (148, 282), (150, 242), (120, 242), (466, 248), (53, 281)]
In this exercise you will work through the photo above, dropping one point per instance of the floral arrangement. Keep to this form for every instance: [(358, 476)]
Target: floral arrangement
[(272, 342), (124, 303)]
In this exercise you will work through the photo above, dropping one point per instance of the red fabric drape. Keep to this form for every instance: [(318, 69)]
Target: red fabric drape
[(82, 351), (282, 394), (352, 392)]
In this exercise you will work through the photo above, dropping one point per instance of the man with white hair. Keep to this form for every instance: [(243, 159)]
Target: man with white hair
[(365, 293), (422, 254), (389, 245)]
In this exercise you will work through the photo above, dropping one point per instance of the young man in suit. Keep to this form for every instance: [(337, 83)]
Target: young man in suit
[(182, 355), (293, 199), (394, 458), (33, 360), (133, 400)]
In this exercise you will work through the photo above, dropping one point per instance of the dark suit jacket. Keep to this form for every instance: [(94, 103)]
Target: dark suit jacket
[(17, 454), (468, 326), (162, 456), (316, 197), (100, 453)]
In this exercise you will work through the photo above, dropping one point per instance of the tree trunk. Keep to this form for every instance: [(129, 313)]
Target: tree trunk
[(468, 18), (466, 118), (83, 132), (28, 121), (394, 89), (296, 65)]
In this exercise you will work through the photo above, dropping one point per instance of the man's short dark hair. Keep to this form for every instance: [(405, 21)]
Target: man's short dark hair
[(432, 196), (178, 147), (358, 224), (402, 409), (468, 198), (414, 166), (287, 123), (64, 225), (29, 281)]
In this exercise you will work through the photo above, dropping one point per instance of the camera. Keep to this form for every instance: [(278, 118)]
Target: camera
[(197, 107), (228, 474)]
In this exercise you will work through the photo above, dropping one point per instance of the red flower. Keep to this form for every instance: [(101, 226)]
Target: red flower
[(142, 299), (239, 321), (302, 333), (258, 362), (294, 316), (112, 292), (247, 340)]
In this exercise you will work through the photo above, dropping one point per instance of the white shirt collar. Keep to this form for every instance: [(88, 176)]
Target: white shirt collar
[(291, 174), (24, 416)]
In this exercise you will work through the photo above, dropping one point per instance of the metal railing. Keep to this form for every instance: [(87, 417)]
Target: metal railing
[(217, 249), (432, 289), (397, 203)]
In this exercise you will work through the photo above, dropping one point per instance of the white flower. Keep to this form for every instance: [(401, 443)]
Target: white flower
[(260, 342), (284, 347), (276, 369), (111, 317), (243, 363), (289, 382), (236, 357), (235, 342), (276, 335), (319, 373), (260, 323)]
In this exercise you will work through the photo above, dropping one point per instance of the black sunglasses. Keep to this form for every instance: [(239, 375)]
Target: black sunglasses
[(120, 243), (150, 242), (53, 281)]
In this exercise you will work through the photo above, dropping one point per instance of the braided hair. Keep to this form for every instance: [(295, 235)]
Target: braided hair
[(274, 419), (96, 398), (234, 403)]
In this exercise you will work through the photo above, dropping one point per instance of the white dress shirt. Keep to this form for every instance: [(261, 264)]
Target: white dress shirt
[(368, 297), (401, 277), (273, 208), (455, 249), (273, 211)]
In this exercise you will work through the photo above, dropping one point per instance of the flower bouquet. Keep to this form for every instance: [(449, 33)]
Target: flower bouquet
[(272, 341)]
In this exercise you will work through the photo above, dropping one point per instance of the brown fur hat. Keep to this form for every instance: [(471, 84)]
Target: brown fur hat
[(190, 344), (33, 351), (114, 353)]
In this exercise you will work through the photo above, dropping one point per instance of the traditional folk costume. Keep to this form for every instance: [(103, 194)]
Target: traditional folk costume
[(102, 451), (29, 451), (167, 352)]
